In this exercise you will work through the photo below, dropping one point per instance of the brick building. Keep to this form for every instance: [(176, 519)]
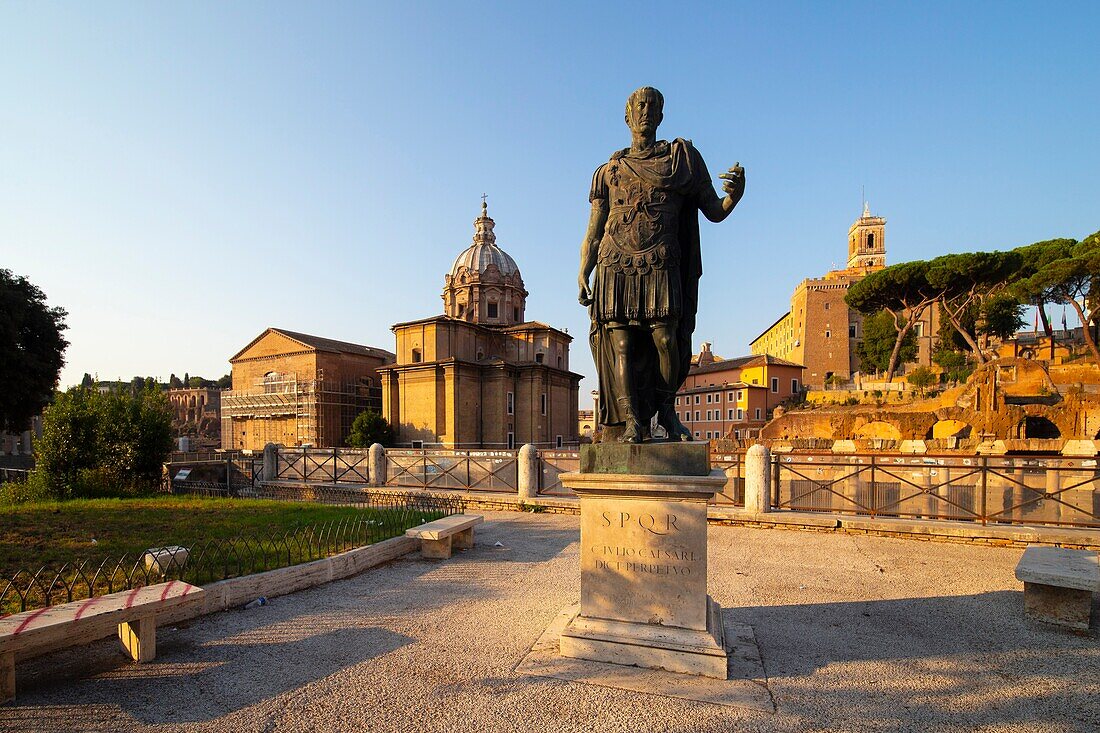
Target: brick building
[(481, 375), (820, 330), (295, 389), (734, 397)]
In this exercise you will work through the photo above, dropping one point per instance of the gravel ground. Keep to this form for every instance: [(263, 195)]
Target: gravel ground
[(857, 634)]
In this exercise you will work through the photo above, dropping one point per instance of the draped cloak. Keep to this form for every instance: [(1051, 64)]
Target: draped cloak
[(648, 266)]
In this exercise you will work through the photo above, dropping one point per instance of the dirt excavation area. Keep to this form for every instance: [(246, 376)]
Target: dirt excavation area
[(855, 633)]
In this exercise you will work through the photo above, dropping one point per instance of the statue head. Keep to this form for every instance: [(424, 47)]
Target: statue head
[(645, 110)]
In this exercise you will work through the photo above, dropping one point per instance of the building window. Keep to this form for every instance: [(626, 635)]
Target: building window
[(729, 397), (757, 413), (755, 380), (775, 385), (511, 404), (709, 415), (515, 315), (708, 435), (511, 441), (740, 395), (558, 442), (697, 399), (677, 401), (542, 401), (731, 414), (492, 310), (740, 414), (828, 334), (794, 386), (851, 330), (826, 305), (708, 398), (417, 357), (870, 240), (539, 357), (696, 415), (918, 329), (559, 362), (696, 433)]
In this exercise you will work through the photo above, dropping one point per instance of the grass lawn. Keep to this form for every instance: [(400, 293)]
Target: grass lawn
[(53, 533)]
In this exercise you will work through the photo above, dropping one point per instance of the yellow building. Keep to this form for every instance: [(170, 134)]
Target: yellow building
[(295, 389), (820, 331), (480, 375)]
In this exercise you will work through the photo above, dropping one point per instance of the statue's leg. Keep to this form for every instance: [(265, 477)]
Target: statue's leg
[(624, 393), (664, 339)]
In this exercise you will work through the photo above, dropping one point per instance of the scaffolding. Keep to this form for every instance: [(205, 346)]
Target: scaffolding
[(315, 406)]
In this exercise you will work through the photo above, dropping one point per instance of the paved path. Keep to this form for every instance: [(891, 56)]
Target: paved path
[(857, 634)]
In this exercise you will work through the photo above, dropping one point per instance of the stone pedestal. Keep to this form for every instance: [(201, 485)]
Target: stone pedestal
[(644, 595)]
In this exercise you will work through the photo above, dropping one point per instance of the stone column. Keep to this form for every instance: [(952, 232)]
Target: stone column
[(758, 479), (644, 595), (271, 462), (528, 472), (378, 470)]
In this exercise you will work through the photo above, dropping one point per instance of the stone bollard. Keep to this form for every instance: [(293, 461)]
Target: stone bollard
[(377, 468), (271, 462), (758, 479), (528, 472)]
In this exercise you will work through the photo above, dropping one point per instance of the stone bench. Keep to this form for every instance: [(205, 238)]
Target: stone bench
[(438, 537), (1058, 584), (131, 614)]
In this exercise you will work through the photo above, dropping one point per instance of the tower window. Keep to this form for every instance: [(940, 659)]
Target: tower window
[(539, 357), (871, 240), (492, 310), (417, 357), (515, 315)]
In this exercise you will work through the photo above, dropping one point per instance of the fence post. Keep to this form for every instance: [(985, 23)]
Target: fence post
[(758, 479), (271, 462), (528, 471), (377, 473)]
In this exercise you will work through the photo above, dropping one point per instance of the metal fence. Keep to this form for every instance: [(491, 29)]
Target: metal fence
[(985, 489), (466, 470), (553, 463), (205, 561), (332, 465), (14, 475), (732, 464)]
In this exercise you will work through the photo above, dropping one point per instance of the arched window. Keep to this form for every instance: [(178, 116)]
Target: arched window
[(870, 240)]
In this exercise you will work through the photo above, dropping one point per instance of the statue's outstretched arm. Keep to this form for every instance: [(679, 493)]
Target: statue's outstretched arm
[(733, 183), (590, 248)]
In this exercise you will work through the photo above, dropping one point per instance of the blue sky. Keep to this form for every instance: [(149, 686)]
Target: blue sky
[(181, 176)]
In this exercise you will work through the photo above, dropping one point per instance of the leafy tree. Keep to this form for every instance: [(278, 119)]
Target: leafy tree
[(1034, 258), (226, 381), (1071, 279), (879, 346), (31, 350), (965, 282), (102, 443), (195, 382), (904, 292), (369, 428), (921, 378), (174, 382), (954, 364), (1002, 316), (87, 382)]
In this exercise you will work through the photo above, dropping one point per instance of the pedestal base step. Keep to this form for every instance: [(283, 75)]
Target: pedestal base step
[(744, 684), (649, 645)]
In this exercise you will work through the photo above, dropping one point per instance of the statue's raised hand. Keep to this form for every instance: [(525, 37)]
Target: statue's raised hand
[(733, 183)]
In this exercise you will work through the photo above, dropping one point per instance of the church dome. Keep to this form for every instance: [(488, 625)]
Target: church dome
[(484, 251)]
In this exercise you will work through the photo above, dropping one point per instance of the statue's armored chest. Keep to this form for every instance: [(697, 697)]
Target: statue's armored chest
[(643, 216)]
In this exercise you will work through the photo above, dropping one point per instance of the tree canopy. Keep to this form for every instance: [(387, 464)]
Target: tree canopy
[(878, 350), (903, 292), (369, 428), (31, 350)]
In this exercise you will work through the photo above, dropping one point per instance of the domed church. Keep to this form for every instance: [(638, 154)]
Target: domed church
[(481, 375)]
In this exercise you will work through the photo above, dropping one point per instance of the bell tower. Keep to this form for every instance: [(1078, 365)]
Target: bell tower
[(867, 242)]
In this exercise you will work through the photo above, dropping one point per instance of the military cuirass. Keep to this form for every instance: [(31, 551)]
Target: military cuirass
[(642, 222)]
